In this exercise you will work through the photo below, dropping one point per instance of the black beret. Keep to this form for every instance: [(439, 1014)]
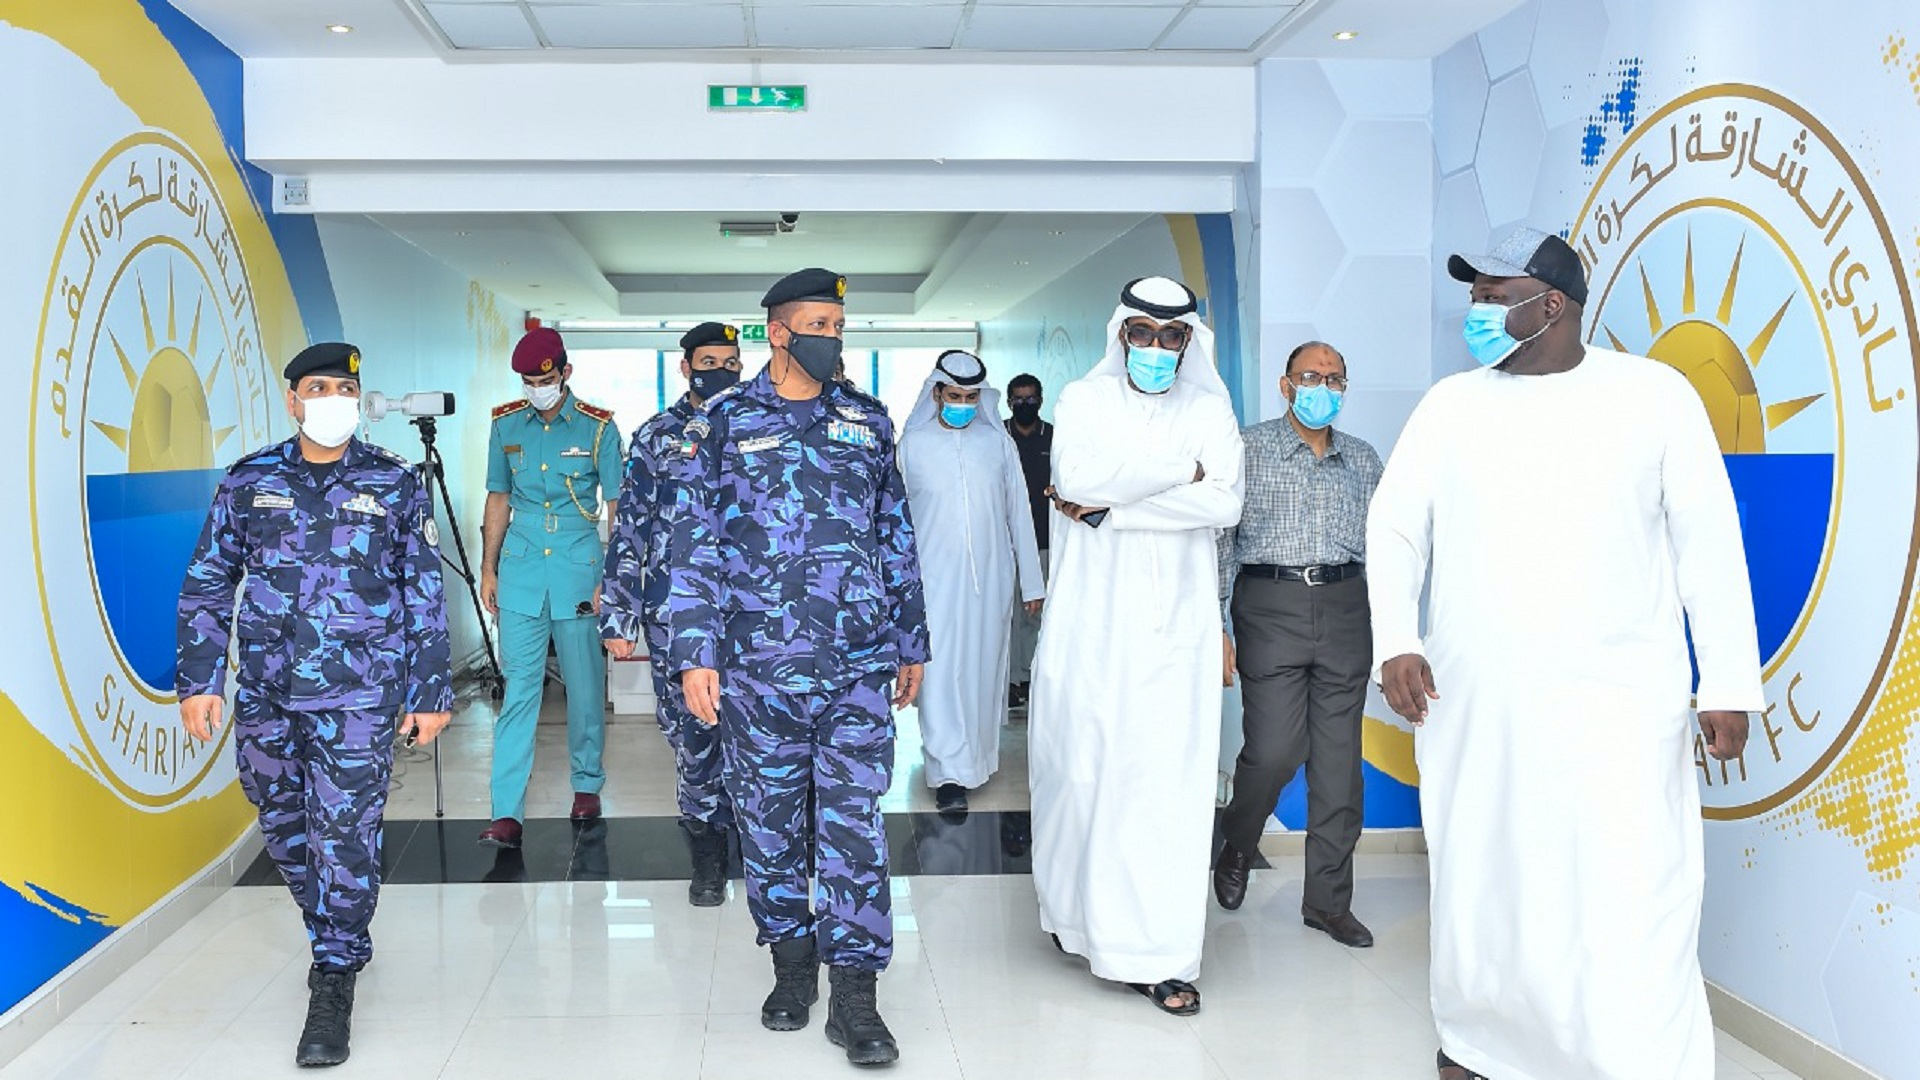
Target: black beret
[(327, 358), (810, 286), (708, 333)]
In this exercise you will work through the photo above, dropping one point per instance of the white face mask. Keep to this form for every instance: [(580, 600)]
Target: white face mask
[(545, 397), (330, 420)]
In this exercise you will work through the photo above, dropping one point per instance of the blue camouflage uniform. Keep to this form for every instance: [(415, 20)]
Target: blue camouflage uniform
[(633, 603), (555, 474), (342, 628), (795, 576)]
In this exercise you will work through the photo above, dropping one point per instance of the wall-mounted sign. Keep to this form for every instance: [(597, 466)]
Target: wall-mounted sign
[(765, 98)]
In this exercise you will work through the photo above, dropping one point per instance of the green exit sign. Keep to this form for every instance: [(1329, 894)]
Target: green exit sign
[(768, 98), (753, 331)]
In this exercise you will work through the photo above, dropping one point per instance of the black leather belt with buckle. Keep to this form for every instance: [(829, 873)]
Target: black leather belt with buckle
[(1306, 575)]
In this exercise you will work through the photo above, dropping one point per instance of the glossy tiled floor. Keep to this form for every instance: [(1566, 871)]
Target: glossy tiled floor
[(585, 979)]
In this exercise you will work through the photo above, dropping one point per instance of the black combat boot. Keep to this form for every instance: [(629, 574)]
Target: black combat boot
[(853, 1018), (329, 1017), (796, 985), (708, 845)]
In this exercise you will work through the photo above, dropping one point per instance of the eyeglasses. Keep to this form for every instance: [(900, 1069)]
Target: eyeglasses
[(1312, 379), (1172, 337)]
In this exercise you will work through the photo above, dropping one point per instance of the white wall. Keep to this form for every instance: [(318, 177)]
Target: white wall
[(1580, 115), (422, 326), (1345, 230), (514, 136)]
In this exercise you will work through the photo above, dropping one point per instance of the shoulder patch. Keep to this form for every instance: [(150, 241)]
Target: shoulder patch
[(511, 407), (697, 428), (863, 399), (383, 452), (595, 411)]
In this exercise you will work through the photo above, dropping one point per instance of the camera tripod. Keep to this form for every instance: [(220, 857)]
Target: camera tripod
[(433, 476)]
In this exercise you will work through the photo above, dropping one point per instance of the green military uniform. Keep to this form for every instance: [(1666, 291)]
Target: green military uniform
[(556, 474)]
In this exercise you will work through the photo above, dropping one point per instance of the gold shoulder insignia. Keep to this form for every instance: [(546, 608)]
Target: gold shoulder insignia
[(510, 408), (595, 411)]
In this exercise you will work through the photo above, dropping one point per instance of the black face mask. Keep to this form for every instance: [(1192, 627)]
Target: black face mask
[(707, 382), (1024, 414), (817, 354)]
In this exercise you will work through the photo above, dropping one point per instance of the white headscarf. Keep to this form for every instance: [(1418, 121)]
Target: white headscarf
[(1164, 300), (964, 370)]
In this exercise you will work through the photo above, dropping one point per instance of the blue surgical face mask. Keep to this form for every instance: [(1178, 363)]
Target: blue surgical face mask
[(1152, 370), (957, 416), (1486, 331), (1316, 406)]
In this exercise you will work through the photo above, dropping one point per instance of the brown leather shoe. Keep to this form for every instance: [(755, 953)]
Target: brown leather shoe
[(1230, 878), (585, 807), (1453, 1070), (503, 833), (1341, 926)]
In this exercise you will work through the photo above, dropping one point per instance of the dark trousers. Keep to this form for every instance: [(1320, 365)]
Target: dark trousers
[(319, 781), (1304, 655)]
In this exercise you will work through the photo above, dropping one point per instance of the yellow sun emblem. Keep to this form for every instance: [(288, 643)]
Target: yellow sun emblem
[(731, 333), (1702, 348), (353, 362), (840, 288)]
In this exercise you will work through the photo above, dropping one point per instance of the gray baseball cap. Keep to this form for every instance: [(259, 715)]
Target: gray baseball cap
[(1527, 253)]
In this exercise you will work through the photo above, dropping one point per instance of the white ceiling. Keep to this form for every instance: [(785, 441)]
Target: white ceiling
[(1180, 31), (924, 267)]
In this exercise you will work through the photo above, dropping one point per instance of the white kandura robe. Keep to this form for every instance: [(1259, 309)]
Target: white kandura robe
[(974, 529), (1568, 521), (1124, 717)]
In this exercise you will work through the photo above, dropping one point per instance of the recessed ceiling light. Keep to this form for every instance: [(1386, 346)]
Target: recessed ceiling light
[(340, 28), (1346, 35)]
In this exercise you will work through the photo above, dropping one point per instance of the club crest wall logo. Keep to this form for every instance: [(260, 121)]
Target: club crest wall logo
[(1733, 238), (148, 375)]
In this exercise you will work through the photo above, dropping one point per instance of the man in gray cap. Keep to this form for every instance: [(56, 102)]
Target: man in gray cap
[(1569, 508)]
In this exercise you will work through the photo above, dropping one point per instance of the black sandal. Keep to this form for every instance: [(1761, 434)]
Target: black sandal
[(1443, 1063), (1163, 991)]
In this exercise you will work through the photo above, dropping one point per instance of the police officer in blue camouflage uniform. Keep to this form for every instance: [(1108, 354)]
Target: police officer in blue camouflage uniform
[(343, 646), (552, 461), (795, 607), (634, 600)]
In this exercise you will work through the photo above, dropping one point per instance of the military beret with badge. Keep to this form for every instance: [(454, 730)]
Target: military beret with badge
[(333, 358)]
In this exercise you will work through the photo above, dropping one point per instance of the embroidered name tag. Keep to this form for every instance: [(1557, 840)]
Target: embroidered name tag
[(512, 448), (576, 451), (754, 446), (264, 501), (363, 504), (860, 435)]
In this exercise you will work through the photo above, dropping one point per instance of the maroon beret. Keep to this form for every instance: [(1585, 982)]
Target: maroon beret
[(540, 352)]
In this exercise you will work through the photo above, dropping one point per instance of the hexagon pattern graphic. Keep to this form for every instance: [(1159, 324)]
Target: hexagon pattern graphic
[(1300, 116), (1459, 101), (1507, 41), (1382, 202), (1303, 254), (1511, 140)]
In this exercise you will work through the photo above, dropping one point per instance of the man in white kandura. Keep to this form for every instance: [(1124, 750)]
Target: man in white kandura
[(973, 526), (1572, 508), (1124, 724)]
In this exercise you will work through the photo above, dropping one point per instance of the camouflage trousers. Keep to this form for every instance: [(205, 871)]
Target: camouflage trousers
[(699, 766), (319, 780), (836, 745)]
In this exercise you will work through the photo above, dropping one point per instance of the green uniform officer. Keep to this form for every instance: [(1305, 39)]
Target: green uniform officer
[(552, 462)]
